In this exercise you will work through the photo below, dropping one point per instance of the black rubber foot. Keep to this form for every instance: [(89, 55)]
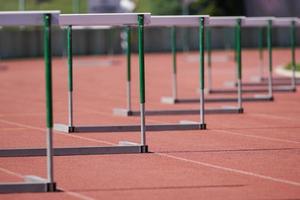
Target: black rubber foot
[(144, 149), (203, 126), (51, 187), (241, 110), (71, 129)]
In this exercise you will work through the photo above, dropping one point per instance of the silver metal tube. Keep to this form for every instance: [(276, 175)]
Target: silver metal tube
[(294, 78), (261, 69), (143, 126), (202, 107), (239, 90), (129, 95), (209, 78), (174, 86), (50, 155), (270, 84), (70, 102)]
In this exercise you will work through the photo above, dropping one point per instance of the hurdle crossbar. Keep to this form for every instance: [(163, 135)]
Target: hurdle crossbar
[(45, 19)]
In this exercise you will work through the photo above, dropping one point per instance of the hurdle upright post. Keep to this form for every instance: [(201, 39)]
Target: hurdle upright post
[(174, 52), (70, 74), (49, 108), (261, 52), (201, 70), (239, 62), (269, 43), (128, 55), (293, 62), (208, 49), (142, 77)]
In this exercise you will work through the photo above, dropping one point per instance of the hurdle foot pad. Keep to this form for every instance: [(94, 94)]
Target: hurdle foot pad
[(168, 100), (201, 126), (64, 128), (122, 112)]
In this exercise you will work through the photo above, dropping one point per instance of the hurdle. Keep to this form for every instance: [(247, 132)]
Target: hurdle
[(123, 147), (276, 22), (172, 22), (123, 20), (290, 23), (46, 19), (218, 22)]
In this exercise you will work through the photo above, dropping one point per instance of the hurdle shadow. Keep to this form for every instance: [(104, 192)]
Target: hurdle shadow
[(159, 188)]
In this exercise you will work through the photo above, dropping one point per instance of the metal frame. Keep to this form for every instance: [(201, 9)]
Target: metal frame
[(213, 22), (47, 19), (172, 22), (139, 22), (283, 22), (257, 22), (263, 81), (71, 128)]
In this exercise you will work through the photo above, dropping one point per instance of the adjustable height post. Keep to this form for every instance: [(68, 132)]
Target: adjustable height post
[(70, 75), (239, 62), (174, 51), (201, 70), (49, 109), (128, 54), (269, 41), (293, 62), (261, 55), (142, 77), (208, 48)]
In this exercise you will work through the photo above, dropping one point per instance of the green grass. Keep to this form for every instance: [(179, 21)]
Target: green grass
[(64, 5), (289, 66)]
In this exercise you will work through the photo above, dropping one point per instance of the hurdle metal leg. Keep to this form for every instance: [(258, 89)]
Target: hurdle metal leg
[(43, 185)]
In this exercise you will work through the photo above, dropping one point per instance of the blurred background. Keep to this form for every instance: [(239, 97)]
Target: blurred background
[(27, 42)]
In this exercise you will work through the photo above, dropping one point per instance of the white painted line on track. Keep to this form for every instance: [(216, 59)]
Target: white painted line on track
[(74, 194), (64, 134), (257, 137), (270, 178)]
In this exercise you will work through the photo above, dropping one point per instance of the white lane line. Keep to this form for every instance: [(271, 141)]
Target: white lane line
[(273, 116), (270, 178), (74, 194), (257, 137), (66, 135)]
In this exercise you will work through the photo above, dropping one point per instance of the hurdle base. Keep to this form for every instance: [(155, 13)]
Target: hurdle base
[(233, 91), (222, 110), (203, 126), (121, 148), (31, 184), (122, 112), (168, 100), (125, 128)]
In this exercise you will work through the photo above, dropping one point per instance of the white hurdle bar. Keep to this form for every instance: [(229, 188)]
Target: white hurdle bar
[(46, 19)]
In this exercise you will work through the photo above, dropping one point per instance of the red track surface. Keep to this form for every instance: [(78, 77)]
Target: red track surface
[(254, 155)]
